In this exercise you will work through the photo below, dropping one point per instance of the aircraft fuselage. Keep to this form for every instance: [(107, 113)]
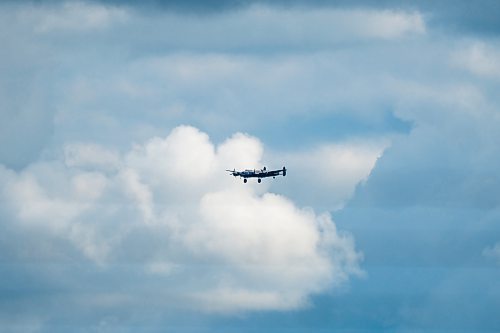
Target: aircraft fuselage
[(262, 173)]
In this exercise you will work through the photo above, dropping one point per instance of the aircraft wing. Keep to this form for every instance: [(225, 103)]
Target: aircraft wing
[(273, 173)]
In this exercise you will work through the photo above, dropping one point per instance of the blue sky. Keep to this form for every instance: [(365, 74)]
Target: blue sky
[(117, 121)]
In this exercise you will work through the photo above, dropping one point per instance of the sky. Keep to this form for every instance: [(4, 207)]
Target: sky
[(118, 120)]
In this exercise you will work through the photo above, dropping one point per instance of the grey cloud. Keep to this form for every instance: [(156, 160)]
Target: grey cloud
[(431, 203), (56, 87), (479, 17)]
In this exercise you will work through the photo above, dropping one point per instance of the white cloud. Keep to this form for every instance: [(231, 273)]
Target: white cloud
[(381, 24), (480, 59), (280, 254), (327, 175), (186, 157), (236, 300), (169, 205)]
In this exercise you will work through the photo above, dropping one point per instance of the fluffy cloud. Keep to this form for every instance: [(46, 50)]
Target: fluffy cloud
[(327, 175), (168, 206)]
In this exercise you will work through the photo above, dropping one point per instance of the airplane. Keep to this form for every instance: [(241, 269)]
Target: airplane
[(259, 174)]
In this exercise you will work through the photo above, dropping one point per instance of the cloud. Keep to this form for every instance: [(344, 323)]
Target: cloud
[(90, 156), (252, 26), (327, 175), (480, 59), (267, 27), (168, 207), (119, 234), (71, 17), (430, 206), (295, 261), (55, 87)]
